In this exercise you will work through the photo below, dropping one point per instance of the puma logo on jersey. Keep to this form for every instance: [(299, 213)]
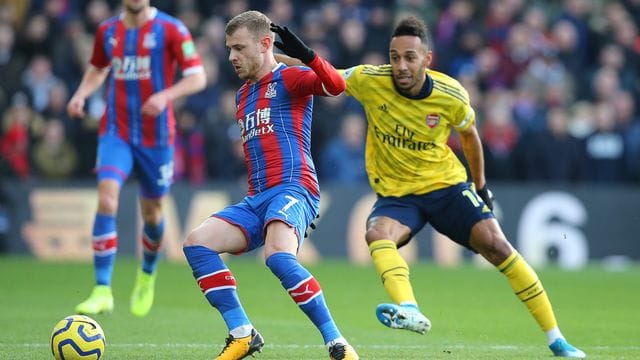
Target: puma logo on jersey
[(383, 108)]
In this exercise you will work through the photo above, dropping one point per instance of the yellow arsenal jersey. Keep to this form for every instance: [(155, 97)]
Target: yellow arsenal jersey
[(407, 150)]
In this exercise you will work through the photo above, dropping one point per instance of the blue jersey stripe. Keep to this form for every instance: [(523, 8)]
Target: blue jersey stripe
[(133, 87), (307, 137), (111, 86), (255, 147), (157, 79), (164, 21), (283, 122), (111, 127)]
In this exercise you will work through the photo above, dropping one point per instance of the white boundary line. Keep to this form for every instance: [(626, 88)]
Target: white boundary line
[(299, 346)]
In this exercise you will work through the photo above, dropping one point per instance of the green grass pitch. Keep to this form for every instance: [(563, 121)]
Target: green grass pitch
[(474, 313)]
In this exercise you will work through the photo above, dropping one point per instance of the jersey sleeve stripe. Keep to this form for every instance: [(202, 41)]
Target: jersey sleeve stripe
[(466, 120), (375, 69), (371, 74), (449, 92), (451, 88), (375, 72), (192, 70)]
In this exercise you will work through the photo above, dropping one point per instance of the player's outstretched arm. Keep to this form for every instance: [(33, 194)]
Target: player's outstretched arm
[(92, 79), (188, 85), (330, 82)]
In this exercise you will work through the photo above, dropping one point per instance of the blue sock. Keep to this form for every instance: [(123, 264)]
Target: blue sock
[(105, 247), (217, 283), (151, 241), (305, 291)]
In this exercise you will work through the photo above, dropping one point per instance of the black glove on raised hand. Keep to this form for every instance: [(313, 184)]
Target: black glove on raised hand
[(487, 196), (291, 44)]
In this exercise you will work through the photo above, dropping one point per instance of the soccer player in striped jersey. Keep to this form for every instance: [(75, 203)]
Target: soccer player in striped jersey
[(274, 109), (411, 110), (136, 53)]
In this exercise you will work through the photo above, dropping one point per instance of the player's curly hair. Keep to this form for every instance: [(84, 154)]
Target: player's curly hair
[(256, 22), (412, 26)]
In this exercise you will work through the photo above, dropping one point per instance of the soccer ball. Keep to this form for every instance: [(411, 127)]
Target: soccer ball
[(77, 337)]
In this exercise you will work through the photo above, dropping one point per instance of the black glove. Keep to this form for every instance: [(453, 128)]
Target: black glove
[(487, 196), (291, 44)]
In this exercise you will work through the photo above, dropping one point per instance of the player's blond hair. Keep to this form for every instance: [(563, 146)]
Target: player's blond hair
[(256, 22)]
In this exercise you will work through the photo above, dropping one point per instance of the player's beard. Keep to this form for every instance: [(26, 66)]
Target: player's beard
[(405, 89), (249, 70)]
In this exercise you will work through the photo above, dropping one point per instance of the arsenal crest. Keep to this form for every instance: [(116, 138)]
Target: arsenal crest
[(433, 120)]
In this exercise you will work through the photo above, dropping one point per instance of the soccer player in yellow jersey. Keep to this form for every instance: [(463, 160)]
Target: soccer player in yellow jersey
[(411, 110)]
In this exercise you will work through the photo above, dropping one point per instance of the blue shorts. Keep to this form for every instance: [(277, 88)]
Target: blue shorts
[(288, 203), (154, 166), (451, 211)]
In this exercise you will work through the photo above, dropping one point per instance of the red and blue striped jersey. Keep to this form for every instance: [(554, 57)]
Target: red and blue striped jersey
[(143, 61), (274, 116)]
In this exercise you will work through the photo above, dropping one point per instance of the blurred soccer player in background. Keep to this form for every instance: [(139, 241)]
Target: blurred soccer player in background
[(274, 111), (136, 53), (418, 179)]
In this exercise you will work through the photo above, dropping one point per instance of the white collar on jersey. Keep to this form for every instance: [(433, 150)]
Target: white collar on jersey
[(278, 66), (152, 14)]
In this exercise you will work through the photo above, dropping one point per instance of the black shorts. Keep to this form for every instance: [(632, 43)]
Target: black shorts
[(451, 211)]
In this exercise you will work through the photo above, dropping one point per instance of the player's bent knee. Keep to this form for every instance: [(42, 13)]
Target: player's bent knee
[(372, 235), (377, 233), (495, 250), (194, 239)]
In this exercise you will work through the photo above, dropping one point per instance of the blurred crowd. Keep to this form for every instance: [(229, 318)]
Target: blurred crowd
[(554, 84)]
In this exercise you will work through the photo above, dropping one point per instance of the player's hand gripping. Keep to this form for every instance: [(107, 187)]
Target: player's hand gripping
[(292, 45), (486, 195)]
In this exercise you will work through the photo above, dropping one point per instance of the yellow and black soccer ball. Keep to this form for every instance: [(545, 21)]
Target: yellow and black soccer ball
[(77, 337)]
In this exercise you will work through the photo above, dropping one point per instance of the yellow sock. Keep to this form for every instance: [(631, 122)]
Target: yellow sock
[(393, 270), (528, 288)]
